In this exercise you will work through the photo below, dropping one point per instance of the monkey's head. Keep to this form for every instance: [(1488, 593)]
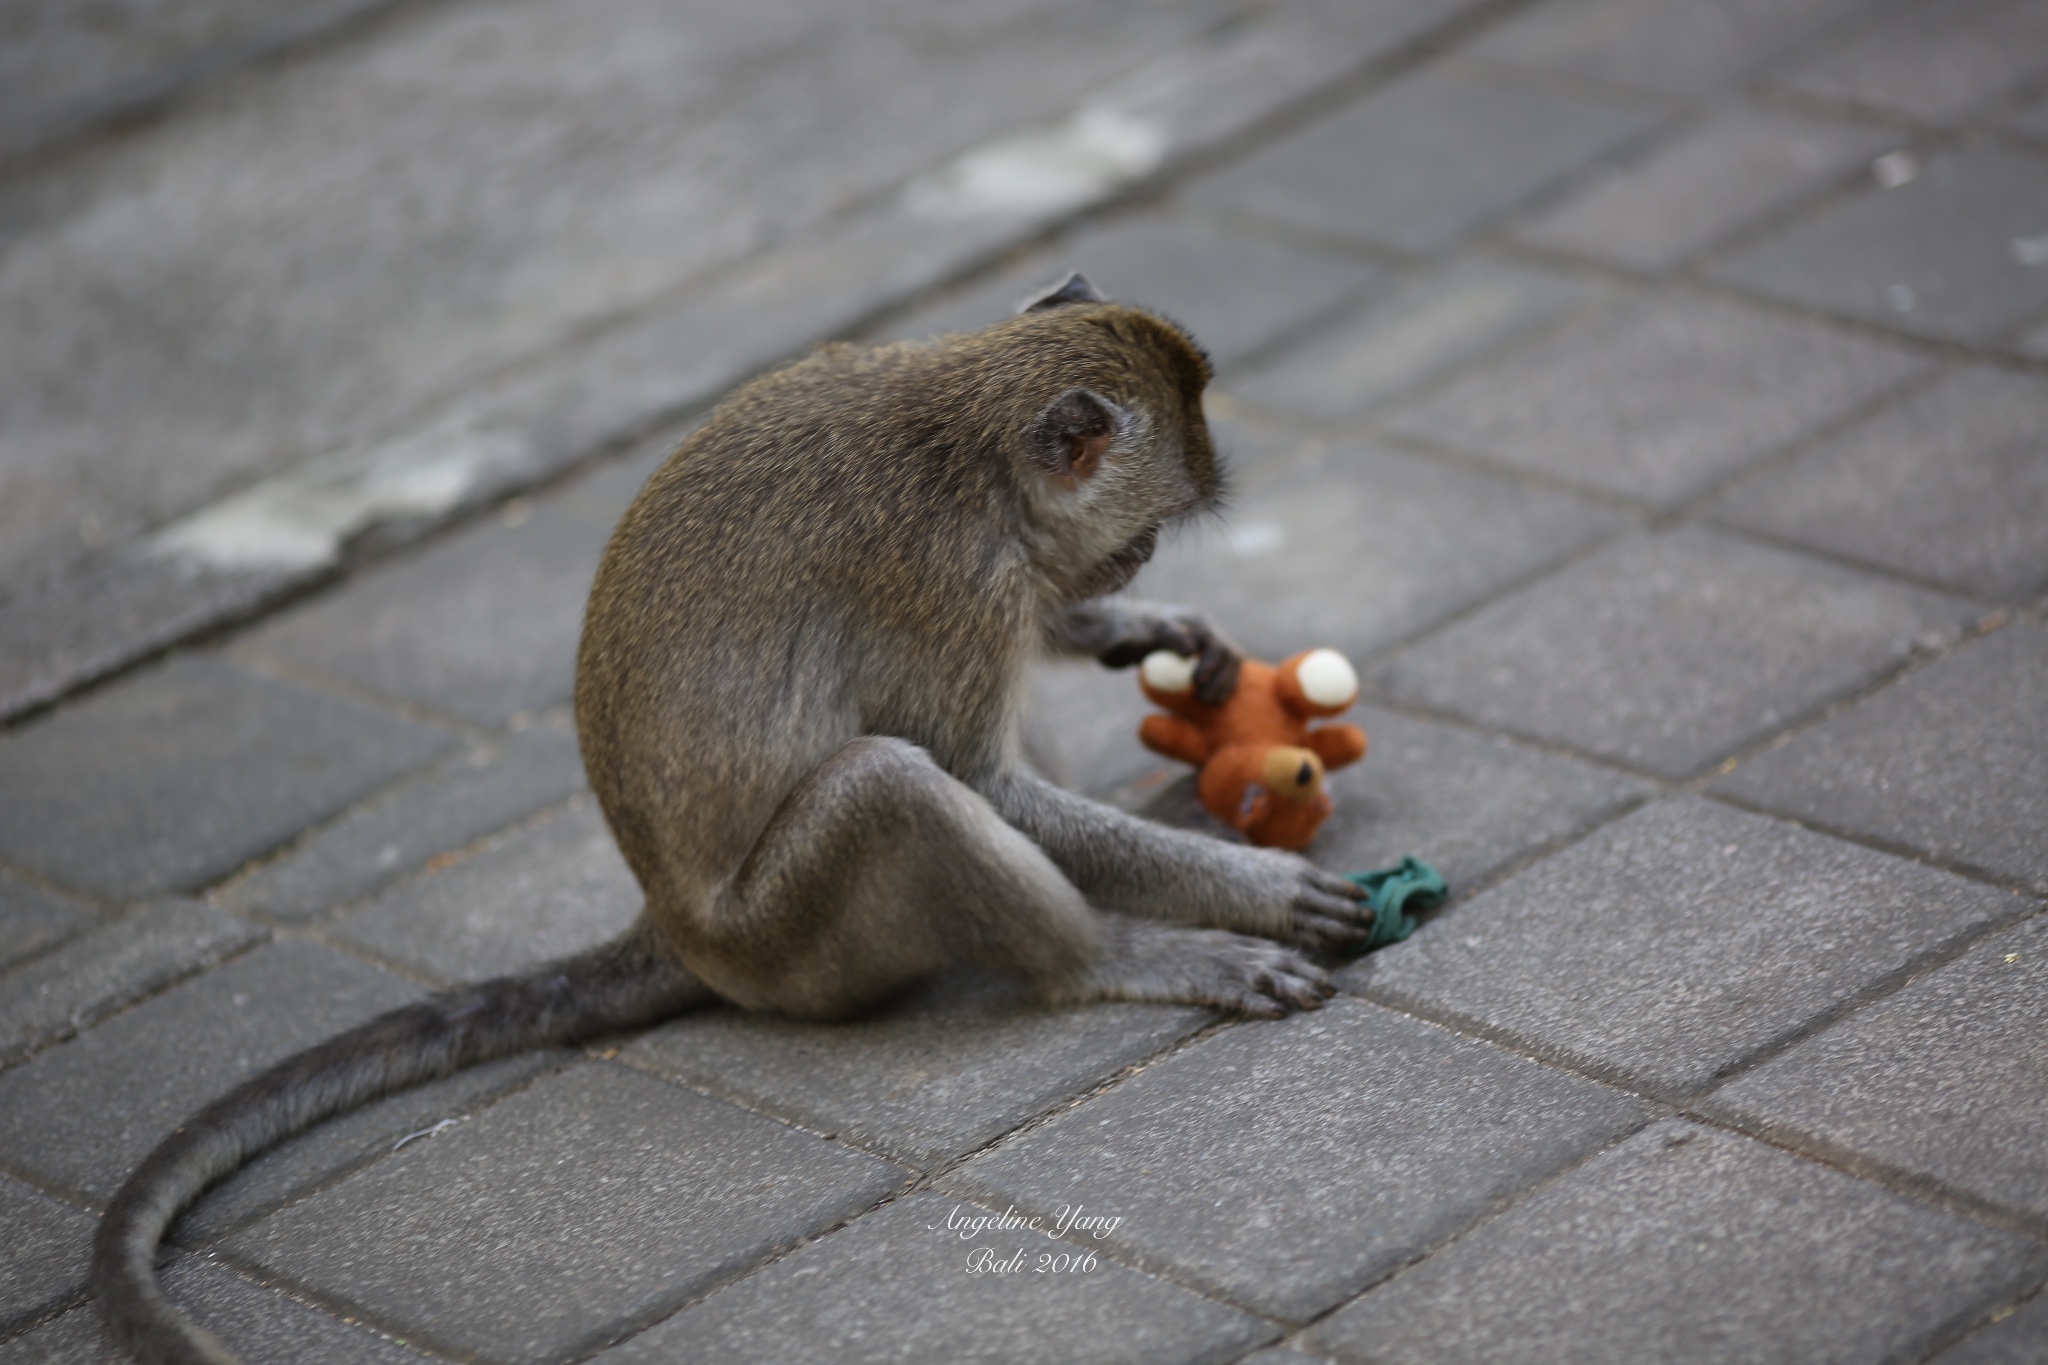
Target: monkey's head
[(1114, 446)]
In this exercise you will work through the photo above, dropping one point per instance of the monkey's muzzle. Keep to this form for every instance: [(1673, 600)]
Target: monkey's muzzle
[(1113, 573)]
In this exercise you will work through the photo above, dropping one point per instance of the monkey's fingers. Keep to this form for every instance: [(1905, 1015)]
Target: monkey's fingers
[(1187, 636), (1127, 654), (1275, 981), (1325, 887), (1336, 901), (1216, 673), (1329, 933), (1339, 884), (1299, 990)]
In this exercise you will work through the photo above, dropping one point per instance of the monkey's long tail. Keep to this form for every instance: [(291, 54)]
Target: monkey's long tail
[(625, 984)]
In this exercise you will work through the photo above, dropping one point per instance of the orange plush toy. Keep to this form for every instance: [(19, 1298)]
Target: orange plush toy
[(1261, 766)]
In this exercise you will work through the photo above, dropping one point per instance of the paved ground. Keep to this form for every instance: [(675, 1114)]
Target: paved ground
[(1650, 395)]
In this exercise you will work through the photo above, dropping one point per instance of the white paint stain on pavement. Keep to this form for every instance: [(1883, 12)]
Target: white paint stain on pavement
[(302, 520), (1042, 170)]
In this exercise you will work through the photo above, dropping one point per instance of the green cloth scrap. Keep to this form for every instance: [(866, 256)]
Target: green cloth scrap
[(1391, 890)]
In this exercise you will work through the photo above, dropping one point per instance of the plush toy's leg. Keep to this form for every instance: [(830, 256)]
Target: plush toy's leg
[(1231, 791)]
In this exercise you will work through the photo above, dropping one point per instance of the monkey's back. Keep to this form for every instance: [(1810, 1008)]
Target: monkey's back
[(829, 551)]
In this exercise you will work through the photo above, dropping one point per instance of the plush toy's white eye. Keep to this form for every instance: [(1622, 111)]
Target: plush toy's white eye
[(1166, 671), (1326, 678)]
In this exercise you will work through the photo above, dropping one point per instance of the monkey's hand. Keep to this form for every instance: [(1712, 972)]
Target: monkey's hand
[(1285, 896), (1173, 964), (1121, 633)]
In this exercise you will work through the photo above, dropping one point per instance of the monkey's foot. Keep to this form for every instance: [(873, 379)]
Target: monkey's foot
[(1175, 965)]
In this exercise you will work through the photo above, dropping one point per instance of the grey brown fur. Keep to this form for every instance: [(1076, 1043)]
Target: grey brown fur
[(798, 701)]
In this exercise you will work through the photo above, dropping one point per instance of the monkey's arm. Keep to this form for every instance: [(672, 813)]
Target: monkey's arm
[(1120, 632), (1180, 876)]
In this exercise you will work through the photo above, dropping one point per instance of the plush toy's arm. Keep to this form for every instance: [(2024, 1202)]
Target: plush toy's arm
[(1176, 738), (1317, 682), (1337, 745)]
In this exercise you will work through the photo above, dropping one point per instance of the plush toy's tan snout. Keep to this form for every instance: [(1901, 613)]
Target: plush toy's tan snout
[(1292, 773)]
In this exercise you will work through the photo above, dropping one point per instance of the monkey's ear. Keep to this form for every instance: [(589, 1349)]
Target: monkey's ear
[(1073, 289), (1071, 434)]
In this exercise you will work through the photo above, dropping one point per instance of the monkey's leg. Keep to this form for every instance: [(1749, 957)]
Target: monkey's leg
[(881, 868), (1180, 876)]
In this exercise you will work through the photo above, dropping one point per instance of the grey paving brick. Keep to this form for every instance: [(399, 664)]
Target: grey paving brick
[(82, 1114), (480, 625), (526, 897), (474, 793), (1355, 545), (572, 396), (1668, 651), (1288, 1165), (43, 1255), (1466, 803), (1933, 255), (1418, 330), (1952, 761), (1947, 1078), (369, 286), (1664, 46), (170, 780), (945, 1070), (1427, 159), (1940, 60), (90, 977), (1234, 292), (1687, 1244), (1722, 175), (65, 66), (1284, 1355), (1680, 941), (257, 1323), (1947, 485), (33, 920), (556, 1219), (354, 1140), (2020, 1338), (894, 1287), (1081, 730), (64, 630), (2030, 119), (1659, 396)]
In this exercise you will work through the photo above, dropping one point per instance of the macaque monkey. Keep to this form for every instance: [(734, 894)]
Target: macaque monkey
[(799, 696)]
